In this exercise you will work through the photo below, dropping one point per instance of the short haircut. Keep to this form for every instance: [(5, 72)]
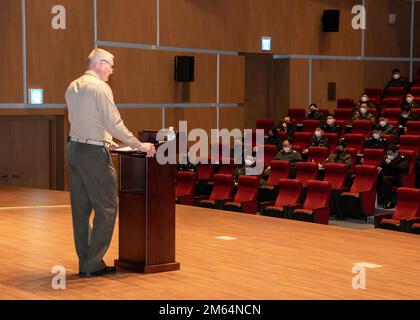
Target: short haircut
[(98, 54)]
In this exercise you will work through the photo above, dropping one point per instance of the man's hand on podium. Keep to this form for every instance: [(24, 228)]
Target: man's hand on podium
[(149, 149)]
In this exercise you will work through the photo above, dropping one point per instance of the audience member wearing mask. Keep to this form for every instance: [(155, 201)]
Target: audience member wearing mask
[(396, 80), (315, 114), (364, 98), (364, 114), (390, 171), (248, 163), (407, 115), (284, 126), (340, 154), (385, 128), (376, 141), (288, 154), (330, 126), (409, 102), (318, 140)]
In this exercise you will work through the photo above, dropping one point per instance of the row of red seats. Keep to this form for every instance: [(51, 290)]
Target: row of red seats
[(362, 191)]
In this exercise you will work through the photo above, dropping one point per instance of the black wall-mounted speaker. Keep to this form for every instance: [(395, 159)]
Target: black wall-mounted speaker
[(184, 68), (331, 21)]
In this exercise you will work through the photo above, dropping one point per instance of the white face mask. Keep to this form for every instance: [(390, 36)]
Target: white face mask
[(376, 136), (318, 134), (382, 123), (286, 149), (363, 111), (330, 122), (391, 157), (284, 125), (249, 162), (364, 99), (396, 76), (405, 115), (409, 99)]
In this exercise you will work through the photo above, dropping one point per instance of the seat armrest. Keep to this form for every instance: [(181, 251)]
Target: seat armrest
[(406, 225), (264, 205), (379, 217), (294, 206)]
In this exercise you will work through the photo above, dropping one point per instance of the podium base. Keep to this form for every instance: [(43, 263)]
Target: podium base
[(131, 266)]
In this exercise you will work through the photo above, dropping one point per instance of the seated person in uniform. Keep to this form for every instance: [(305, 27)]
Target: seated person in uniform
[(396, 80), (340, 155), (363, 113), (409, 102), (385, 127), (407, 115), (286, 154), (376, 141), (315, 114), (330, 126), (318, 140), (240, 171), (284, 126), (390, 171), (364, 98)]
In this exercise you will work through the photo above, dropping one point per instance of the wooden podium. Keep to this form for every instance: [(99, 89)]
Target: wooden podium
[(146, 214)]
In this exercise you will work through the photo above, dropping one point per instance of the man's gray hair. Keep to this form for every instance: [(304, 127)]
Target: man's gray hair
[(98, 54)]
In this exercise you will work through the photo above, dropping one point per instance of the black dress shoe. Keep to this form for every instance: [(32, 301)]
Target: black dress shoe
[(105, 271)]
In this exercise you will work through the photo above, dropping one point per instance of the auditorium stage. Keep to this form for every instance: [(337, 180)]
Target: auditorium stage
[(268, 259)]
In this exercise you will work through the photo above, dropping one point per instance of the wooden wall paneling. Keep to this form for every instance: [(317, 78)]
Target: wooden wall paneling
[(136, 119), (280, 89), (11, 42), (132, 21), (147, 76), (378, 73), (57, 57), (299, 83), (232, 118), (32, 112), (348, 76), (232, 79), (417, 29), (416, 69), (383, 39)]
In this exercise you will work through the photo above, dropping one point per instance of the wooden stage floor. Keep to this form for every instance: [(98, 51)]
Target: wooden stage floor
[(269, 259)]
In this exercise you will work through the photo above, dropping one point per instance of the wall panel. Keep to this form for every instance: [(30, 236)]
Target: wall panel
[(232, 79), (56, 57), (11, 43), (132, 21)]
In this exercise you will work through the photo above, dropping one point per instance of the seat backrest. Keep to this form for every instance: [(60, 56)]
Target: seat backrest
[(310, 125), (335, 174), (306, 171), (392, 113), (326, 112), (391, 103), (297, 114), (318, 154), (373, 92), (408, 204), (265, 124), (185, 183), (411, 157), (318, 194), (270, 152), (361, 126), (222, 187), (345, 103), (247, 188), (394, 92), (415, 91), (413, 127), (205, 171), (373, 157), (410, 142), (355, 140), (290, 192), (365, 178), (227, 168), (416, 111), (279, 170), (301, 140), (332, 139), (343, 114)]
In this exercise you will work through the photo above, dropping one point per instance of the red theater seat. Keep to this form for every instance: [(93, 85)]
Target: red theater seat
[(301, 140), (373, 157), (335, 174), (310, 125), (265, 124), (410, 142), (332, 139), (361, 126), (270, 152), (407, 211), (360, 200), (185, 186), (409, 179), (394, 92), (221, 192), (415, 91), (290, 192), (343, 114), (345, 103), (306, 171), (245, 199), (279, 170), (391, 103), (318, 154), (374, 94), (316, 207), (413, 128), (297, 114), (392, 113), (356, 141)]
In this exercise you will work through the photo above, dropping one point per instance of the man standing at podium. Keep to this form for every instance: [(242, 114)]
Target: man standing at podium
[(94, 120)]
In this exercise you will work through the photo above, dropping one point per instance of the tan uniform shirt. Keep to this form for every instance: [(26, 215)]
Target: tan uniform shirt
[(92, 112)]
